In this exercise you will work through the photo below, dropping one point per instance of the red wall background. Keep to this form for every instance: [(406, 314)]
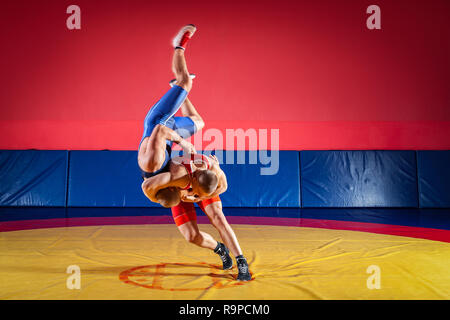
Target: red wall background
[(309, 68)]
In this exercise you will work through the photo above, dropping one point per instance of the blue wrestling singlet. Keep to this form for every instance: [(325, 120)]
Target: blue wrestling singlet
[(163, 113)]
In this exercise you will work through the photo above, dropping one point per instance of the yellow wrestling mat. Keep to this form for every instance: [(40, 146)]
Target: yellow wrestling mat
[(155, 262)]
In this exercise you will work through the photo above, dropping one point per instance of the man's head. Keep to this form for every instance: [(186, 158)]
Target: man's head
[(168, 197), (205, 182)]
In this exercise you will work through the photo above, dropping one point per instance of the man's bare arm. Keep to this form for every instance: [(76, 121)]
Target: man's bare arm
[(222, 185), (190, 198), (151, 186), (166, 133)]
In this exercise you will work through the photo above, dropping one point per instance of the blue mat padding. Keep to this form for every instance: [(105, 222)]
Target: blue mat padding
[(105, 179), (33, 178), (358, 179), (78, 212), (112, 179), (252, 184), (433, 168), (31, 213), (256, 179)]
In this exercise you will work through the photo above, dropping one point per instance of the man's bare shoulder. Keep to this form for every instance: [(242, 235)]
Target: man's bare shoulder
[(176, 168), (217, 169)]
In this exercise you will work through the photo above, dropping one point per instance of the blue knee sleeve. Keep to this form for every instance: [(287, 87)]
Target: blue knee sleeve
[(184, 126)]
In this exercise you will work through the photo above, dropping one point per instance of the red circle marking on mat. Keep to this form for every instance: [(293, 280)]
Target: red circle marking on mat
[(140, 276)]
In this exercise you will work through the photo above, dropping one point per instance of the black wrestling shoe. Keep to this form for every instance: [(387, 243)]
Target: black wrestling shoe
[(223, 253), (244, 273)]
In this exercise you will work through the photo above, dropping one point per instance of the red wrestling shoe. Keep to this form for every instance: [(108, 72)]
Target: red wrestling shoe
[(183, 36)]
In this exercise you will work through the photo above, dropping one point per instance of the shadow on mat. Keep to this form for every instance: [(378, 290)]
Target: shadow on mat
[(176, 269)]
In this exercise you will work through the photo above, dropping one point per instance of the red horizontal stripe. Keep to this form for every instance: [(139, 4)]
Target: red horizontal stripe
[(404, 231), (293, 135)]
